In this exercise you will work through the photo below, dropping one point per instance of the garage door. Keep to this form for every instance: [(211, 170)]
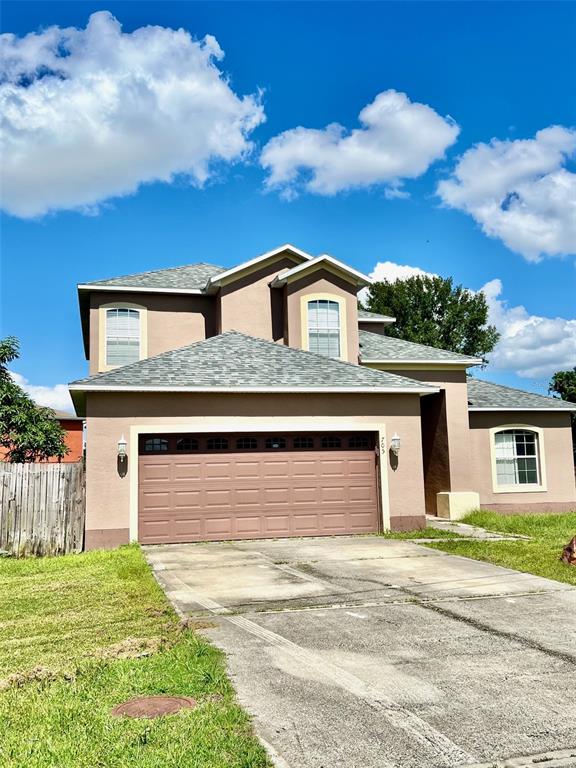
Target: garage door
[(210, 487)]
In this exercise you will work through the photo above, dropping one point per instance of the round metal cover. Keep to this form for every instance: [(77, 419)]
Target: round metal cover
[(153, 706)]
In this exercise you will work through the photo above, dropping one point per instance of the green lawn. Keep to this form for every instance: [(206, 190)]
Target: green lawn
[(82, 633), (540, 555), (424, 533)]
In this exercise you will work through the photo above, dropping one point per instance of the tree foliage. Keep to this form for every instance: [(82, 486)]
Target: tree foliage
[(563, 385), (28, 431), (432, 311)]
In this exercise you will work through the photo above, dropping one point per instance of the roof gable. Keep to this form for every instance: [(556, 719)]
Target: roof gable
[(246, 267), (320, 262)]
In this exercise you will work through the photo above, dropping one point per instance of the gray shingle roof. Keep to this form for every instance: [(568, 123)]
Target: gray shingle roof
[(485, 394), (233, 360), (189, 277), (374, 346), (364, 314)]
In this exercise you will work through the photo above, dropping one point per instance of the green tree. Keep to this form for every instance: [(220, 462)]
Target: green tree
[(28, 431), (432, 311), (563, 385)]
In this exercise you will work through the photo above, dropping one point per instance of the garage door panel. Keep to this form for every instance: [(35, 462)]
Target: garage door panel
[(155, 473), (183, 471), (256, 494)]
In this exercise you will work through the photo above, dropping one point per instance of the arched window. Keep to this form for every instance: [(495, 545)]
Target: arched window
[(517, 453), (122, 336), (324, 327)]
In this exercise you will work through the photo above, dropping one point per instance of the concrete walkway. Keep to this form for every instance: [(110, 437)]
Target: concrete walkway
[(358, 652)]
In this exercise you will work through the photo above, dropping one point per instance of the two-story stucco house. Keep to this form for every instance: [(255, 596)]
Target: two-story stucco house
[(258, 401)]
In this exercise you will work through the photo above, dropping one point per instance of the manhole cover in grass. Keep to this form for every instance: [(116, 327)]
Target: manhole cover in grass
[(153, 706)]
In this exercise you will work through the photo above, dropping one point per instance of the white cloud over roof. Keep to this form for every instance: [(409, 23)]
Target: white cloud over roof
[(94, 113), (398, 139)]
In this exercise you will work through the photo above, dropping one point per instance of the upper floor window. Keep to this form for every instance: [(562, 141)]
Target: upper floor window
[(122, 336), (324, 327), (517, 454)]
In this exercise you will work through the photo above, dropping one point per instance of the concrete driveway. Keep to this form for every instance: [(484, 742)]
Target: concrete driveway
[(357, 652)]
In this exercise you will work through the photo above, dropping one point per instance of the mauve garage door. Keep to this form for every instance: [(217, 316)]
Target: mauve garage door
[(210, 487)]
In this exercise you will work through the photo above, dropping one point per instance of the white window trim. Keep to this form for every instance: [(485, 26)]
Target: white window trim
[(102, 331), (341, 301), (542, 486)]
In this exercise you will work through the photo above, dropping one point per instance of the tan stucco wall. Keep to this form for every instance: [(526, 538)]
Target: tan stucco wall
[(250, 305), (172, 320), (561, 491), (111, 415), (455, 413), (322, 282)]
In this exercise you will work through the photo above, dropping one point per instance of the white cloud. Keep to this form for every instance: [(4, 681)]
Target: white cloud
[(532, 346), (56, 397), (520, 192), (390, 271), (94, 113), (399, 139)]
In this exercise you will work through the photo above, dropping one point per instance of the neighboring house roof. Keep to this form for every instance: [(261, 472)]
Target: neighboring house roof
[(65, 416), (233, 362), (329, 262), (192, 277), (375, 348), (486, 396), (364, 316)]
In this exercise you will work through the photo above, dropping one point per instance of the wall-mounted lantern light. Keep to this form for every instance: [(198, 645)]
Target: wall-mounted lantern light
[(122, 447), (395, 444)]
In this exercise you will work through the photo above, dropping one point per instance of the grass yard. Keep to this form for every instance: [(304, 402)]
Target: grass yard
[(82, 633), (541, 555), (424, 533)]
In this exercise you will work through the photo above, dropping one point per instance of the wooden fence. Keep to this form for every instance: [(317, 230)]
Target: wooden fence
[(42, 508)]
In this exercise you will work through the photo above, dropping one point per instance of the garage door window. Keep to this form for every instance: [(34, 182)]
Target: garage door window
[(246, 443), (187, 444), (217, 444), (304, 442), (359, 442), (156, 445), (275, 443), (331, 441)]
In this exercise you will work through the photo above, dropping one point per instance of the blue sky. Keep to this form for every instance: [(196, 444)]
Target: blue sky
[(499, 71)]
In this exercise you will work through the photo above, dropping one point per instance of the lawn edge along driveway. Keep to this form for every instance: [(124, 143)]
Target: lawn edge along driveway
[(82, 633), (540, 554)]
